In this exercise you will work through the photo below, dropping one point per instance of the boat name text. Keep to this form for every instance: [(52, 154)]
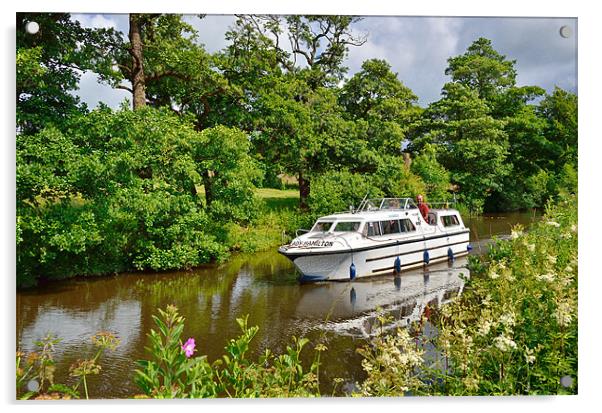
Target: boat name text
[(314, 243)]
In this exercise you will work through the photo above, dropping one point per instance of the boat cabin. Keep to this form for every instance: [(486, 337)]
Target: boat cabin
[(385, 216)]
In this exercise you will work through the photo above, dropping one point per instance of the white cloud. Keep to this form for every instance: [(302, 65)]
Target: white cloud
[(104, 21), (417, 49), (92, 92), (212, 30)]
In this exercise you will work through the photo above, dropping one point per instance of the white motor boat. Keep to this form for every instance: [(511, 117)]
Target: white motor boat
[(383, 236)]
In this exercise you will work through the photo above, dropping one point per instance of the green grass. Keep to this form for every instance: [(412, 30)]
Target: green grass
[(277, 199)]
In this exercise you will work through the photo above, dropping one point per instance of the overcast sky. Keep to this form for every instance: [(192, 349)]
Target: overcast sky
[(417, 48)]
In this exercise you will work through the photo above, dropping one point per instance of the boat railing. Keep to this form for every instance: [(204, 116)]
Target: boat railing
[(380, 204), (301, 231)]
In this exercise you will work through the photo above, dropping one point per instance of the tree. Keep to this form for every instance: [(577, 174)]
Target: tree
[(49, 66), (376, 96), (433, 174), (484, 85), (483, 69), (164, 66), (228, 172), (559, 110), (294, 107), (302, 130), (473, 145), (136, 70), (318, 44)]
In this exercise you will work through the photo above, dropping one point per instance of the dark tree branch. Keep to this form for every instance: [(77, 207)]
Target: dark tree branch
[(124, 87)]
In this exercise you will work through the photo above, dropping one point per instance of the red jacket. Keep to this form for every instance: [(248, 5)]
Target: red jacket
[(424, 210)]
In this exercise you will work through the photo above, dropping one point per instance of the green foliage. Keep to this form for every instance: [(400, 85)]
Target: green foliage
[(376, 96), (391, 363), (338, 190), (228, 173), (567, 180), (173, 374), (395, 179), (482, 69), (560, 111), (119, 191), (49, 66), (472, 145), (514, 329), (435, 177)]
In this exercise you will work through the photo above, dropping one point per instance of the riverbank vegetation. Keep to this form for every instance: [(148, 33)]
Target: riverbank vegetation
[(172, 181), (512, 331)]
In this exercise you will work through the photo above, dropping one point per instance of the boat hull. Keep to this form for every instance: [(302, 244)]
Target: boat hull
[(322, 264)]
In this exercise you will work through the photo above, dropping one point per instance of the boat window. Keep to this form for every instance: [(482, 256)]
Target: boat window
[(392, 203), (390, 227), (407, 225), (346, 226), (321, 226), (449, 220), (373, 229)]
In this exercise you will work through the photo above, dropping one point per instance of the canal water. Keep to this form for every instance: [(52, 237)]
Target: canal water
[(263, 286)]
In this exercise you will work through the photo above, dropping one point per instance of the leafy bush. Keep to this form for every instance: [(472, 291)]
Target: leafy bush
[(432, 173), (391, 363), (336, 190), (514, 329), (173, 371), (119, 191), (395, 179)]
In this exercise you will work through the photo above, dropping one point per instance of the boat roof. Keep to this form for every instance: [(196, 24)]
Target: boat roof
[(383, 208)]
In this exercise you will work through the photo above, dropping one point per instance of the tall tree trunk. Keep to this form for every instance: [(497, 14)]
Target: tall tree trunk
[(208, 190), (303, 192), (137, 79)]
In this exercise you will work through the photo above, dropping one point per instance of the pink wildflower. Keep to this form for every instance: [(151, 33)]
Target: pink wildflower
[(188, 347)]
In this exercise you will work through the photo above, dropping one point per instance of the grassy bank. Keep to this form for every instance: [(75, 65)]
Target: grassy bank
[(277, 222)]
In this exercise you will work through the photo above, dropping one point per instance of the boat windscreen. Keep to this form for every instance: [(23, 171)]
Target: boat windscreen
[(321, 226), (347, 226)]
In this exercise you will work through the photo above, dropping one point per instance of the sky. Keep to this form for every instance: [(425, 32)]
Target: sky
[(417, 48)]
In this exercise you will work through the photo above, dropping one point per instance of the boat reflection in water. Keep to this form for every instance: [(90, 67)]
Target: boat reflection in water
[(355, 306)]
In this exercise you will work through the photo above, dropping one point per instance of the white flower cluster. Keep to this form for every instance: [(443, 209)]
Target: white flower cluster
[(484, 328), (508, 319), (504, 343), (553, 223), (516, 234), (549, 277), (563, 314)]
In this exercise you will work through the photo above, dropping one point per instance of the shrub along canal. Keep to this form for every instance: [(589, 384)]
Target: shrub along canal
[(262, 285)]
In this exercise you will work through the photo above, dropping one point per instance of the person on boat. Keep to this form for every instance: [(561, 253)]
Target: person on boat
[(423, 207)]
